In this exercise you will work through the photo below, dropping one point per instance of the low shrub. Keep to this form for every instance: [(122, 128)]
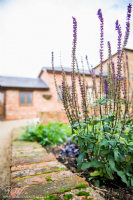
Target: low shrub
[(49, 134)]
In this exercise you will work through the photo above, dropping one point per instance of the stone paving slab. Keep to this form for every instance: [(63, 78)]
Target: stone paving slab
[(33, 159), (17, 144), (48, 188), (30, 152), (40, 179), (36, 165), (35, 173), (32, 172)]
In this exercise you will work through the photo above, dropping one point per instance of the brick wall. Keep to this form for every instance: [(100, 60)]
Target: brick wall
[(47, 109)]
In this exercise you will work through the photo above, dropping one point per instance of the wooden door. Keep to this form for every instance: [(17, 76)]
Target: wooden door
[(2, 105)]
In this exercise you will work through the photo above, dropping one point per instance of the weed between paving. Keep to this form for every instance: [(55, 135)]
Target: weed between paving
[(116, 189)]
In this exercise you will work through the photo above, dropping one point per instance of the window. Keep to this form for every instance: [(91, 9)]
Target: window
[(60, 94), (25, 98)]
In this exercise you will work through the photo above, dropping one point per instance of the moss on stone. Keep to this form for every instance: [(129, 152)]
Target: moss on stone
[(58, 170), (50, 197), (36, 199), (48, 178), (81, 185), (83, 193), (66, 190), (68, 196)]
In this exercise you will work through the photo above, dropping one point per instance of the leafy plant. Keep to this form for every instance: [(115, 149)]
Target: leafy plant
[(49, 134), (104, 129)]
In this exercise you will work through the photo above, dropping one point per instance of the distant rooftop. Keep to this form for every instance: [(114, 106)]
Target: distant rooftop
[(19, 82), (68, 70)]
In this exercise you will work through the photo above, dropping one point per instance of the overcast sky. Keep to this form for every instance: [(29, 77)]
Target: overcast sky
[(31, 29)]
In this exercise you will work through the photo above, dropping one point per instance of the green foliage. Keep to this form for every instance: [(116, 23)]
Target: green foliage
[(110, 152), (68, 196), (49, 134), (81, 185)]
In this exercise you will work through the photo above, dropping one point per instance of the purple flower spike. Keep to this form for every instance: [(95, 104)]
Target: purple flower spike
[(100, 16), (87, 62), (74, 31), (129, 8), (99, 13), (106, 89)]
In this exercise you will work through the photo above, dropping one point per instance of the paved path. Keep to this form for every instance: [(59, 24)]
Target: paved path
[(35, 174), (6, 134)]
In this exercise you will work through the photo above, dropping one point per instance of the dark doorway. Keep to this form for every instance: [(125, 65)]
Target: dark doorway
[(2, 105)]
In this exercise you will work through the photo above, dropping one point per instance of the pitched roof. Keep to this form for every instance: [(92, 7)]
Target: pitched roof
[(113, 55), (68, 70), (19, 82)]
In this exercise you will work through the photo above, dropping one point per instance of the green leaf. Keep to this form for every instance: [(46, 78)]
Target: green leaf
[(83, 124), (131, 181), (81, 143), (111, 162), (116, 155), (96, 163), (93, 104), (112, 142), (94, 122), (106, 127), (81, 157), (79, 166), (130, 143), (97, 183), (110, 119), (122, 175), (90, 178), (103, 142), (104, 152), (122, 157), (109, 171), (76, 125), (86, 165), (90, 146), (103, 102), (95, 173)]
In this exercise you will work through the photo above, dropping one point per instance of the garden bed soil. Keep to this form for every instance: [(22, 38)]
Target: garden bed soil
[(112, 190)]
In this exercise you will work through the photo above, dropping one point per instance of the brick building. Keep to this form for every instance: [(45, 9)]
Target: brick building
[(26, 98)]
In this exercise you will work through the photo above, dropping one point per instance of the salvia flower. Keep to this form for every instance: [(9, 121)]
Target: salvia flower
[(106, 89), (99, 13), (129, 8)]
